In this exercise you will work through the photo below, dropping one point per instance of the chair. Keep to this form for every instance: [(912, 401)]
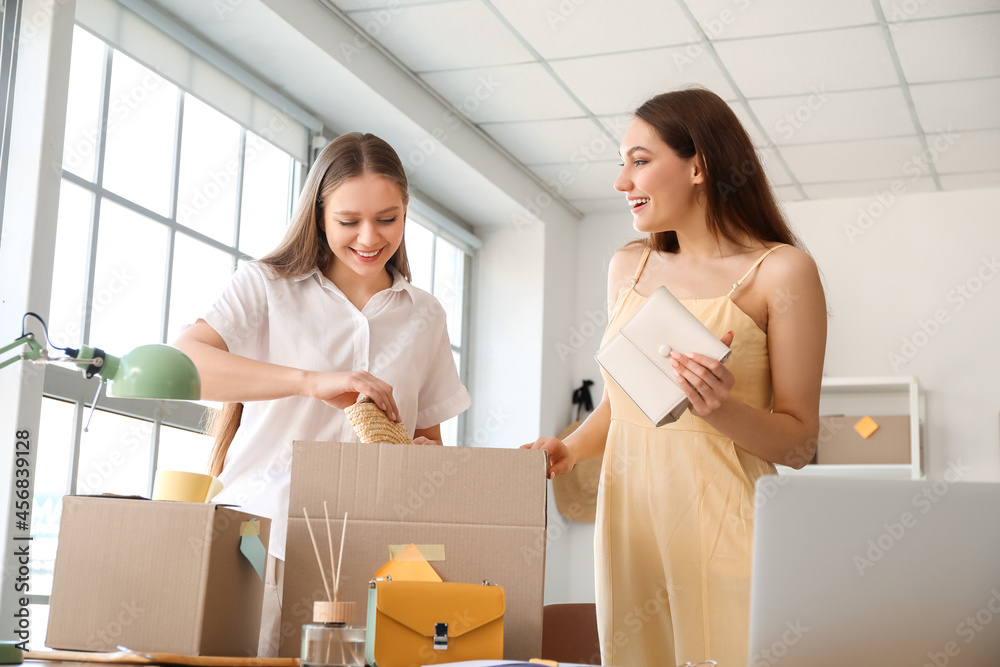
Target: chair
[(569, 633)]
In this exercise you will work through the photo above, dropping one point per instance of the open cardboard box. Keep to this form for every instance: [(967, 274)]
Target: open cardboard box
[(154, 576), (485, 507)]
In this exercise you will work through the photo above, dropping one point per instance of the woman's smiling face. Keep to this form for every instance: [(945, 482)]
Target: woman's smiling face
[(364, 220), (660, 187)]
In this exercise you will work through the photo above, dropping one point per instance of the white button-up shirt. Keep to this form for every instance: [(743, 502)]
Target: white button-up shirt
[(306, 322)]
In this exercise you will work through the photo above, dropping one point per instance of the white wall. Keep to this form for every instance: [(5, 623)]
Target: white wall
[(889, 267)]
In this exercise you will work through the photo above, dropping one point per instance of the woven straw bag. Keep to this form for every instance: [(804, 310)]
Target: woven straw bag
[(373, 427)]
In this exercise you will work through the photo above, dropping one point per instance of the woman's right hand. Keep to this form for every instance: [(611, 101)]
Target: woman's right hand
[(561, 458), (341, 390)]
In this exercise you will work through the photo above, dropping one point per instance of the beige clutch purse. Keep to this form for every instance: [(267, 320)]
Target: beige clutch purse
[(638, 357)]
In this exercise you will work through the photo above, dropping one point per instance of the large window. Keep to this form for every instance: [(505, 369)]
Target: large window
[(161, 197)]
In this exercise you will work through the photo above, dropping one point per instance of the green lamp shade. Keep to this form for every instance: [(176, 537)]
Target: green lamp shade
[(153, 371)]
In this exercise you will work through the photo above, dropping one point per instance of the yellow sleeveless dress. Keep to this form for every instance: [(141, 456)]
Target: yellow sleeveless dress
[(675, 513)]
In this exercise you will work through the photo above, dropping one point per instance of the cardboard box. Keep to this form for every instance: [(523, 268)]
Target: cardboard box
[(839, 442), (154, 576), (486, 507)]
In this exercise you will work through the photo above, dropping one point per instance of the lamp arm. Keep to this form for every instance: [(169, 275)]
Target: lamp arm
[(35, 350)]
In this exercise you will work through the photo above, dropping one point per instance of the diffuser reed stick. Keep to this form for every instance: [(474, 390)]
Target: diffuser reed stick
[(340, 558), (319, 561)]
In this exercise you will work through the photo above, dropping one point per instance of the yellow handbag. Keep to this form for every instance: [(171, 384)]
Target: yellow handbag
[(429, 622)]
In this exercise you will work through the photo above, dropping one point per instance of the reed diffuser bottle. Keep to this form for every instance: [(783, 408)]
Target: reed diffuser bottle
[(332, 640)]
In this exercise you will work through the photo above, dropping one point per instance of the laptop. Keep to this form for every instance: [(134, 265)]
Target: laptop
[(875, 572)]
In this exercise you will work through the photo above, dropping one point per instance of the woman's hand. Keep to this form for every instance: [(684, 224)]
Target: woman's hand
[(561, 458), (705, 381), (341, 390), (421, 440)]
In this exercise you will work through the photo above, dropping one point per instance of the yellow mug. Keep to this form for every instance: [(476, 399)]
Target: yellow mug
[(188, 487)]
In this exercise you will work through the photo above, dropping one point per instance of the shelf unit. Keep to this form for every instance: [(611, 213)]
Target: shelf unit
[(883, 395)]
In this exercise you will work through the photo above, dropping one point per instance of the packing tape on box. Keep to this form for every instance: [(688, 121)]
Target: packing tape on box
[(430, 552), (251, 547)]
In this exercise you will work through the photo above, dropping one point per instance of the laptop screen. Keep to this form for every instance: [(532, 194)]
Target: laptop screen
[(875, 572)]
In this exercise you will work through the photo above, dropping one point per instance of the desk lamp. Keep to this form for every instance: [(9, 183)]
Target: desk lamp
[(148, 371)]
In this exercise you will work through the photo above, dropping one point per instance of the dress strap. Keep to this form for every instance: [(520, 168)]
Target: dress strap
[(642, 265), (755, 265)]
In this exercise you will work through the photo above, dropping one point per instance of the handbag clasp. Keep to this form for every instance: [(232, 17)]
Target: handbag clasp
[(440, 636)]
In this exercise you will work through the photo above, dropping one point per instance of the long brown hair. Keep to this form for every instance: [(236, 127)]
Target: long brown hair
[(739, 202), (305, 247)]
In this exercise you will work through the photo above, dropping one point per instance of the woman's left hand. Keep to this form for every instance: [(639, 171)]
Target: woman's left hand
[(421, 440), (704, 380)]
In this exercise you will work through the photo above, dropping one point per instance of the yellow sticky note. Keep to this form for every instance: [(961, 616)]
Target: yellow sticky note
[(408, 565), (865, 427)]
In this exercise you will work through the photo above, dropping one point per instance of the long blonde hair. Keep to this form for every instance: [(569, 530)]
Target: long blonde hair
[(305, 247)]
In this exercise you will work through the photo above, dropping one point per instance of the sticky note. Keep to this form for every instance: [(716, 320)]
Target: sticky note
[(408, 565), (251, 547), (865, 427)]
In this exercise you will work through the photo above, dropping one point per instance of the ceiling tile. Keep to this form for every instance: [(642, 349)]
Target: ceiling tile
[(453, 35), (960, 105), (856, 160), (570, 28), (617, 84), (504, 93), (981, 179), (835, 116), (593, 180), (901, 10), (802, 64), (872, 188), (576, 140), (729, 19), (961, 152), (946, 49)]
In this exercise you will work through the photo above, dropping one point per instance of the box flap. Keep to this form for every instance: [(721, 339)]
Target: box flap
[(424, 484), (419, 605)]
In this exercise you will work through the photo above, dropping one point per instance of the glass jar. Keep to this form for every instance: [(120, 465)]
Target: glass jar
[(333, 645)]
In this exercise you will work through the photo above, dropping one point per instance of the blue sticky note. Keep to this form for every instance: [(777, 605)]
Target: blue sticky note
[(251, 546)]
